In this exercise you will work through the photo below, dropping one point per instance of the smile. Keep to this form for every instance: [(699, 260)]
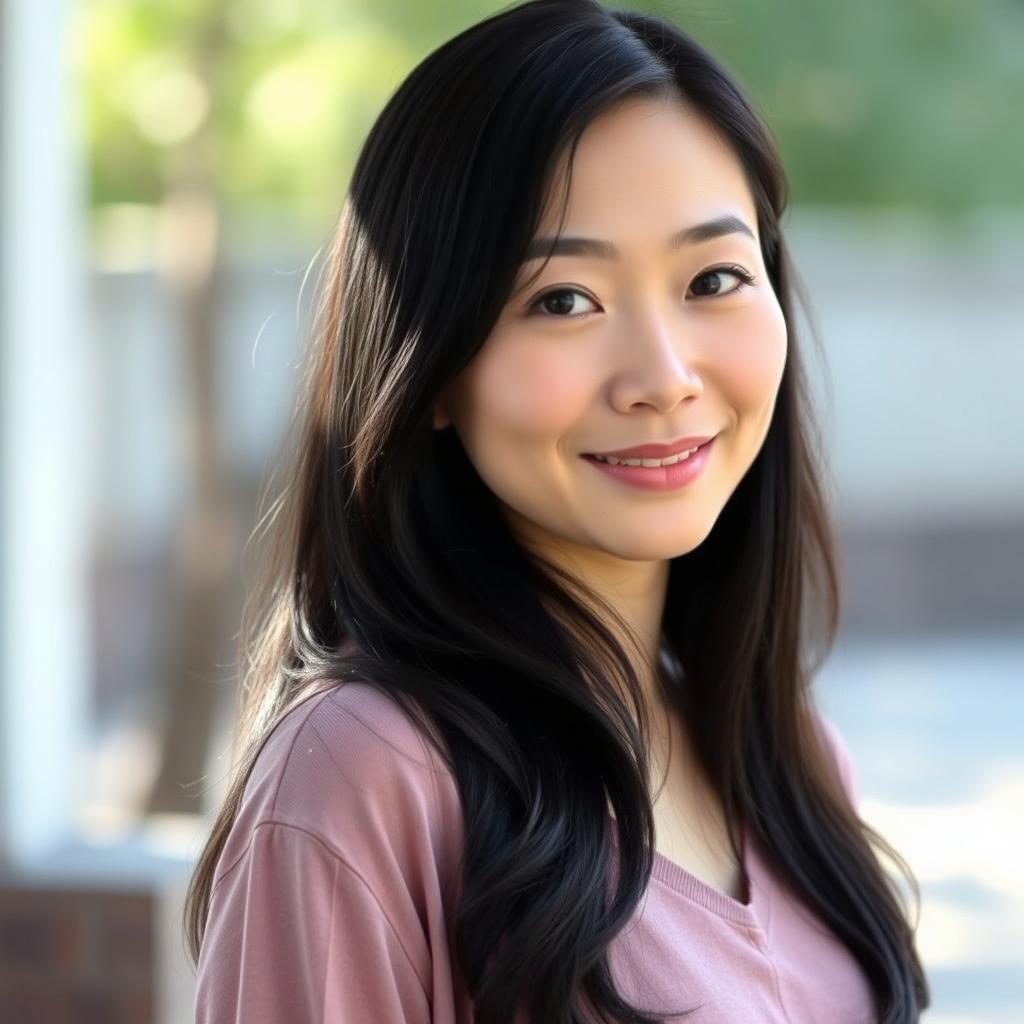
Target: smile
[(655, 474), (647, 463)]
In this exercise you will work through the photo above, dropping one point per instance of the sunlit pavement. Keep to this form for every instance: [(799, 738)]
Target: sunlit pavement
[(936, 731)]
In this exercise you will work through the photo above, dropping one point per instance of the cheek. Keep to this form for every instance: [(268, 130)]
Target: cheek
[(750, 366), (527, 388)]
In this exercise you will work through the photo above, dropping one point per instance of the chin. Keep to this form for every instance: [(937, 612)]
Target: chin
[(659, 549)]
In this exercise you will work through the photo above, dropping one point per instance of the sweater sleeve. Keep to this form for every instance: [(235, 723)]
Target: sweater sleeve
[(301, 937)]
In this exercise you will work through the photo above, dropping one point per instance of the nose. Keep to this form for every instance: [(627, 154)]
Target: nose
[(658, 369)]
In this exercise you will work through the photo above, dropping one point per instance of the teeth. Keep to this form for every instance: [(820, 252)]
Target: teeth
[(647, 463)]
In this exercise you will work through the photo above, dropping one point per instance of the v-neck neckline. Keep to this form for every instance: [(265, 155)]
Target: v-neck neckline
[(695, 889), (685, 882), (708, 896)]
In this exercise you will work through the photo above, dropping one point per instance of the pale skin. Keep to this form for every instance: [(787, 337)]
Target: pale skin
[(656, 344)]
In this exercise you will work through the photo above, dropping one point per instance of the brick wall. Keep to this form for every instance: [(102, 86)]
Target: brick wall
[(68, 955)]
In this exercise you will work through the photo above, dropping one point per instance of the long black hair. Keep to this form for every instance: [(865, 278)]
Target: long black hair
[(384, 534)]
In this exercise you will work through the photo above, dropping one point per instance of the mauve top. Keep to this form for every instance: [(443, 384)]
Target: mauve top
[(332, 898)]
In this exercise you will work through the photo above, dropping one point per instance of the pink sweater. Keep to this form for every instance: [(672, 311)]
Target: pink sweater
[(333, 894)]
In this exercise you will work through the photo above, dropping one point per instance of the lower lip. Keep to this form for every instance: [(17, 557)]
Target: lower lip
[(658, 478)]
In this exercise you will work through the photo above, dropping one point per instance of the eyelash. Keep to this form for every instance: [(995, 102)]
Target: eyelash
[(745, 278)]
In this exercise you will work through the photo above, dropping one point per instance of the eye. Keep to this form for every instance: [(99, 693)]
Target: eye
[(563, 305), (733, 271), (562, 309)]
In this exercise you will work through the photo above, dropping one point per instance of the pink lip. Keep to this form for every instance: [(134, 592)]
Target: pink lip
[(657, 451), (657, 478)]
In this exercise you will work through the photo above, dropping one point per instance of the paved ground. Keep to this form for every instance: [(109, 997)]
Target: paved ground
[(936, 730)]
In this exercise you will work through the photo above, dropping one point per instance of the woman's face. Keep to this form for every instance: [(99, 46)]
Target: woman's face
[(652, 343)]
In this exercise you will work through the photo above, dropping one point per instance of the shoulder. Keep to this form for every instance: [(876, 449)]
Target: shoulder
[(338, 872), (352, 770), (840, 754), (353, 737)]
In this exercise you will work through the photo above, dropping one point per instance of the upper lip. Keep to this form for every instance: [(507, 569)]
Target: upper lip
[(657, 451)]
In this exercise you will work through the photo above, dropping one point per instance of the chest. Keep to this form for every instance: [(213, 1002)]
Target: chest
[(689, 821), (698, 843)]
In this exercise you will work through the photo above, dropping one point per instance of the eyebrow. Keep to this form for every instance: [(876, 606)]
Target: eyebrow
[(599, 248)]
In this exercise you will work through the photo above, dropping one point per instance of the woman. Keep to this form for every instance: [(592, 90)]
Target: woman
[(528, 731)]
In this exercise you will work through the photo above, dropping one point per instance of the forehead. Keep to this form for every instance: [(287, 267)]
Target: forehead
[(647, 166)]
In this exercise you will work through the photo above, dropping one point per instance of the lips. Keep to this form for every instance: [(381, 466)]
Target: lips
[(658, 451), (670, 477)]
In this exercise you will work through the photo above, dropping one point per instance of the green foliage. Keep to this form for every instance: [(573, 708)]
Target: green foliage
[(876, 103), (287, 90), (912, 103)]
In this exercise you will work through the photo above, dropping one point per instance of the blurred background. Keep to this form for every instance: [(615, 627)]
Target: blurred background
[(170, 174)]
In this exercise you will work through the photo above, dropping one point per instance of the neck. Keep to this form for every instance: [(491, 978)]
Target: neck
[(636, 590)]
